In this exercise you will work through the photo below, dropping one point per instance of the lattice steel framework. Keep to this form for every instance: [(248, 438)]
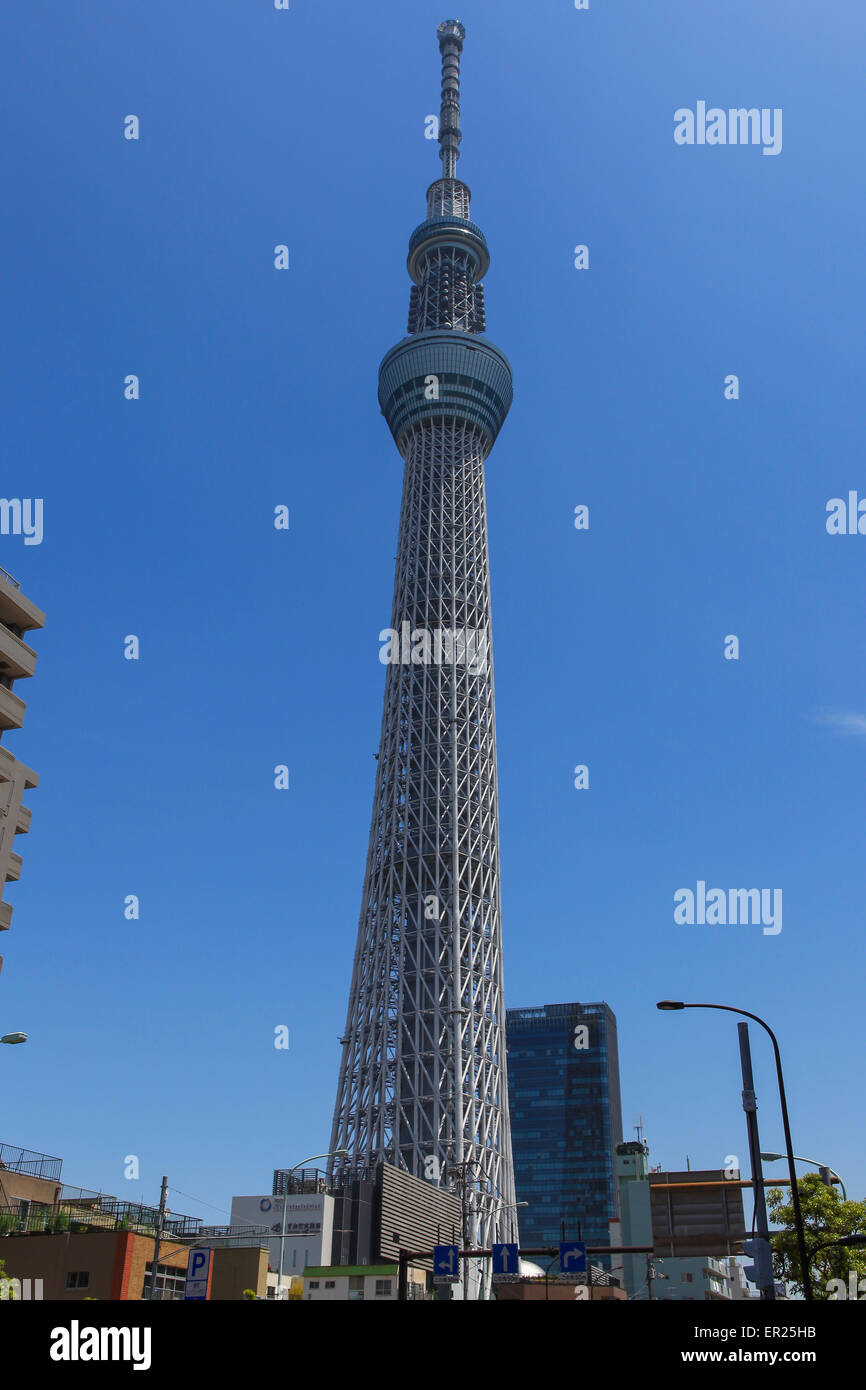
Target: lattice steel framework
[(423, 1076)]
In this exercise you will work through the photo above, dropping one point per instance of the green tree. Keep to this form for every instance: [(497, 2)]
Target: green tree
[(11, 1291), (825, 1217)]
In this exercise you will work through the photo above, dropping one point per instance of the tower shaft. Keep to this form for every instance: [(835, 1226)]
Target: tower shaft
[(423, 1076)]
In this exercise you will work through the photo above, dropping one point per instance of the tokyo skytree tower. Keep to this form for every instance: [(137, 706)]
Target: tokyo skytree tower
[(423, 1080)]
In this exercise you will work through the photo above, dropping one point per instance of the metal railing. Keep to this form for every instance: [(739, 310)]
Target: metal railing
[(301, 1180), (103, 1213), (17, 1160)]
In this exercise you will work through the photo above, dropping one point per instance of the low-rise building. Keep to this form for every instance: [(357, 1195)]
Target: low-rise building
[(360, 1283), (76, 1265), (702, 1277), (306, 1216)]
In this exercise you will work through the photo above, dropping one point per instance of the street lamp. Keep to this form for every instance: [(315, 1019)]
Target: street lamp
[(842, 1240), (771, 1158), (834, 1244), (13, 1038), (337, 1153), (670, 1004)]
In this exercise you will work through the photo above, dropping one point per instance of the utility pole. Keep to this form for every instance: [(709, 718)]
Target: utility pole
[(157, 1240), (763, 1258)]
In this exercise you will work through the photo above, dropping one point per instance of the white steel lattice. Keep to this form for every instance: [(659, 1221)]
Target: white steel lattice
[(423, 1080)]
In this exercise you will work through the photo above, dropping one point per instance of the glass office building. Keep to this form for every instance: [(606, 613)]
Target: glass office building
[(566, 1120)]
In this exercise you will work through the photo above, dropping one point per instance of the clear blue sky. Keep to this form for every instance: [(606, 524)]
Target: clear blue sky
[(259, 388)]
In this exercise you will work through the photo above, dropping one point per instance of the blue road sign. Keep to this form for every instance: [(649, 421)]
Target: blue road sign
[(197, 1275), (446, 1263), (505, 1259), (572, 1256)]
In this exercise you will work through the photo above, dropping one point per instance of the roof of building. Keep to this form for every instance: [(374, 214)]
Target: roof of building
[(345, 1271)]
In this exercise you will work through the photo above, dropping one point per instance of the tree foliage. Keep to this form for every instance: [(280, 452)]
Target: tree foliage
[(825, 1217)]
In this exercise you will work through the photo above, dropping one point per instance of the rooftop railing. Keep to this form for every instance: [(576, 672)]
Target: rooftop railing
[(17, 1160)]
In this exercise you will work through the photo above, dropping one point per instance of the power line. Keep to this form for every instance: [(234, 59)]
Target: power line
[(200, 1200)]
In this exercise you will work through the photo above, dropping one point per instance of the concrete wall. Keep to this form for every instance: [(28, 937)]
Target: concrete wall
[(19, 1185), (115, 1261), (237, 1269)]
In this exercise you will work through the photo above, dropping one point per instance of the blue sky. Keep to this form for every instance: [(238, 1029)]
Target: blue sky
[(707, 517)]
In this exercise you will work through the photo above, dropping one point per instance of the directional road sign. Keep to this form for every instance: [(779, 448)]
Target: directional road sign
[(506, 1264), (572, 1256), (446, 1264)]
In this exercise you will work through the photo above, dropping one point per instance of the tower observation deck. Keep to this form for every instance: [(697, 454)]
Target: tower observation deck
[(423, 1080)]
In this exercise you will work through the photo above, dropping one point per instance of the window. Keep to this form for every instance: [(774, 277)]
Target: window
[(383, 1288), (78, 1279), (330, 1283), (686, 1278), (314, 1283), (170, 1282)]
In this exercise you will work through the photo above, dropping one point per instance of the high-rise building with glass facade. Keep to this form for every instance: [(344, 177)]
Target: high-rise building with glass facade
[(566, 1120)]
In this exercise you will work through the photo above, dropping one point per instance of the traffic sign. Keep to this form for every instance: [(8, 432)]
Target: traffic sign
[(198, 1270), (572, 1257), (506, 1264), (446, 1264)]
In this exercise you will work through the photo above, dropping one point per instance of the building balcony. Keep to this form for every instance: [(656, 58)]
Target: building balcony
[(22, 824), (16, 658), (5, 916), (11, 710), (15, 608), (12, 768), (13, 868)]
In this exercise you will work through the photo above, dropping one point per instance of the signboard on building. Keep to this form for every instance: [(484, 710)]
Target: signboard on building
[(309, 1223), (696, 1213)]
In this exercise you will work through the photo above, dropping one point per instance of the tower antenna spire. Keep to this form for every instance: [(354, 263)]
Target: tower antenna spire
[(451, 34)]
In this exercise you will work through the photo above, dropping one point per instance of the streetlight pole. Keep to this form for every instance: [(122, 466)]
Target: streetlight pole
[(798, 1158), (491, 1211), (479, 1211), (668, 1004), (764, 1263), (337, 1153)]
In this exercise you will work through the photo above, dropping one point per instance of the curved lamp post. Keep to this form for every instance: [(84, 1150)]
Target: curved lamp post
[(670, 1004), (337, 1153), (845, 1241), (798, 1158), (13, 1038)]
